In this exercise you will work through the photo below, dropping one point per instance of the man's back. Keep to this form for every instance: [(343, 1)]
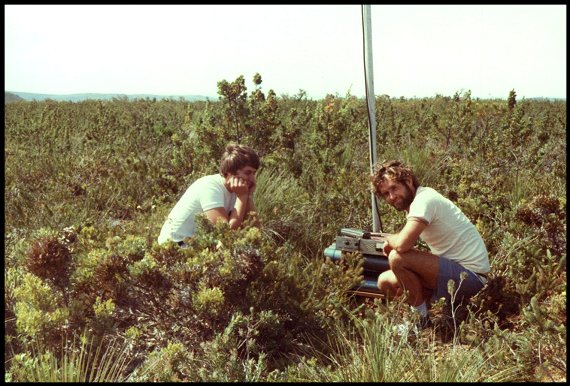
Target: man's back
[(449, 233)]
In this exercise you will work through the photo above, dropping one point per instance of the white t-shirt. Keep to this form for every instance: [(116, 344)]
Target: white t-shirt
[(449, 232), (205, 193)]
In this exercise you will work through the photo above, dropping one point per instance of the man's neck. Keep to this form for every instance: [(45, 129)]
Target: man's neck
[(414, 191)]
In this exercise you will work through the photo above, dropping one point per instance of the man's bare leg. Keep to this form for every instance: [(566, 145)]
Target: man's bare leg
[(413, 271)]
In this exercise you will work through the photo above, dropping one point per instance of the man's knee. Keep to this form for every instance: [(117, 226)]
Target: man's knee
[(383, 285), (387, 283), (395, 259)]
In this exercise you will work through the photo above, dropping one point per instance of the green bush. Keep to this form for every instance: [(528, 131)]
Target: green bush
[(81, 251)]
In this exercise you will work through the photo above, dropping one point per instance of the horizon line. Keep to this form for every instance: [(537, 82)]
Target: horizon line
[(282, 94)]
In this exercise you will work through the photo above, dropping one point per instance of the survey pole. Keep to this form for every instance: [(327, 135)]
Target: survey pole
[(371, 103)]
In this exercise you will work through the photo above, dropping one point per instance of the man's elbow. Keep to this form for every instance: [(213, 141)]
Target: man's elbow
[(234, 224), (401, 248)]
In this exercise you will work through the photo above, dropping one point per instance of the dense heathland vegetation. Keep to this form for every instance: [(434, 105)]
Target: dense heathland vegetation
[(89, 295)]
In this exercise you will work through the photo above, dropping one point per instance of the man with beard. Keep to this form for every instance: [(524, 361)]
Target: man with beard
[(457, 251)]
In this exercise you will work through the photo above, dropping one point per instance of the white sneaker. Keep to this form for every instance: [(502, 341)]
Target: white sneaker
[(404, 329)]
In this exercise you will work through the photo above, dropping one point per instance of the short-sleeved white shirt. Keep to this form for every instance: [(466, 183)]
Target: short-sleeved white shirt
[(449, 232), (205, 193)]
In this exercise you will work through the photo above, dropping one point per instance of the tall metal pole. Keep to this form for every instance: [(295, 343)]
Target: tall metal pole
[(371, 102)]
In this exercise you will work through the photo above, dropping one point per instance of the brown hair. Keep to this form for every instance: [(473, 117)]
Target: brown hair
[(236, 157), (391, 170)]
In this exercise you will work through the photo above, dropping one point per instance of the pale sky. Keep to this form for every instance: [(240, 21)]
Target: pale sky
[(418, 50)]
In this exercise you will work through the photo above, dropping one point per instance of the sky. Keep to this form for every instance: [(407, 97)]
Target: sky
[(418, 50)]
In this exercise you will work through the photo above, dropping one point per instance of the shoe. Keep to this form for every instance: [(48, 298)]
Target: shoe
[(404, 329)]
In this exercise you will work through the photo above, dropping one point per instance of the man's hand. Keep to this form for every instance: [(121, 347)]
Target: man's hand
[(387, 247), (239, 186), (405, 240)]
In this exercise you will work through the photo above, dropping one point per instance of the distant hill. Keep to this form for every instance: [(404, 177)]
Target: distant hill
[(28, 96), (10, 97)]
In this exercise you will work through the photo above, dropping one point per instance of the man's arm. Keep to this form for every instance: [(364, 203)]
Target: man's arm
[(404, 240), (235, 219), (239, 211)]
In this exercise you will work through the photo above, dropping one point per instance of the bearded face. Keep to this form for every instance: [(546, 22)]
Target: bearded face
[(398, 194)]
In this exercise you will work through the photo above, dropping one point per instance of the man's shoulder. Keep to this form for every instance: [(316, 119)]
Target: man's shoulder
[(426, 190), (429, 197), (214, 179), (426, 193), (211, 182)]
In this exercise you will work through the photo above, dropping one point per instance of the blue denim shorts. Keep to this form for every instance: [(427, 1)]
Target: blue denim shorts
[(463, 289), (182, 244)]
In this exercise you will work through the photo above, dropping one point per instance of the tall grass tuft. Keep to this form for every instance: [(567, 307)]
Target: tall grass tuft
[(105, 362), (281, 204), (372, 352)]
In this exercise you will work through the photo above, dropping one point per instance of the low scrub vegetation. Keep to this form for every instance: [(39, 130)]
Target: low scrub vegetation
[(88, 186)]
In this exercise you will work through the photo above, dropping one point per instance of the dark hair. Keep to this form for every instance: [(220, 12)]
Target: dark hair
[(391, 170), (236, 157)]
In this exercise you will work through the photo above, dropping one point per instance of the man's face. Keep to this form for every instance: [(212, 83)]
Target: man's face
[(399, 195), (247, 174)]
